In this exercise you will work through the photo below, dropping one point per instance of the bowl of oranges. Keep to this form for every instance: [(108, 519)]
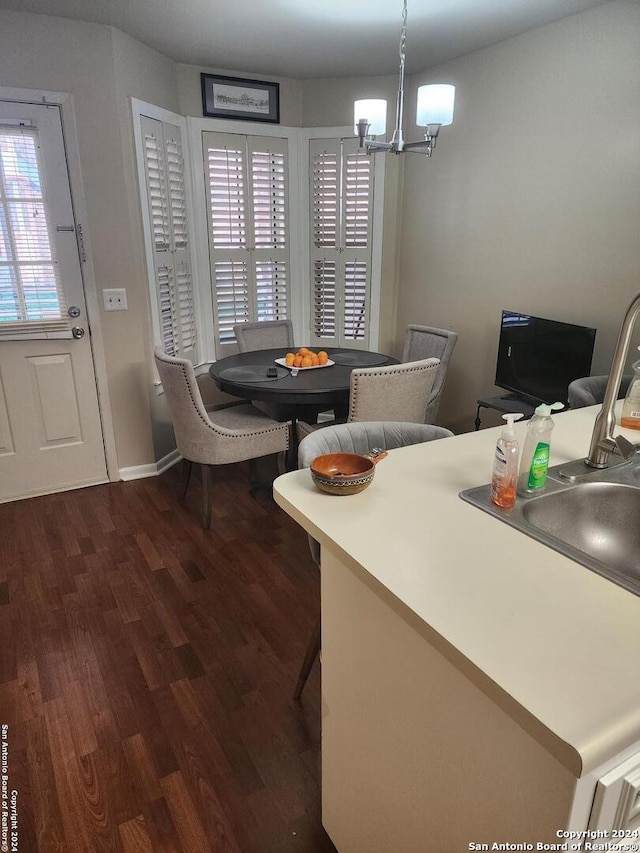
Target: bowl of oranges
[(305, 359)]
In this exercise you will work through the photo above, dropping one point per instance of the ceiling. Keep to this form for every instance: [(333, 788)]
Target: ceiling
[(312, 38)]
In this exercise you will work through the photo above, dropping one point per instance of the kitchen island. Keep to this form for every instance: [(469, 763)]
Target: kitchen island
[(477, 686)]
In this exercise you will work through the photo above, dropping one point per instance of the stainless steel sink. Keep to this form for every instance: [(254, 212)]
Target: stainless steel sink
[(594, 522)]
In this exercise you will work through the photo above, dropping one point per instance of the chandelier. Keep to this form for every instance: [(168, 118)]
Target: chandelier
[(434, 109)]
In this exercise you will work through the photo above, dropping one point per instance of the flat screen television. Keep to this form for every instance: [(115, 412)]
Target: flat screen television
[(538, 358)]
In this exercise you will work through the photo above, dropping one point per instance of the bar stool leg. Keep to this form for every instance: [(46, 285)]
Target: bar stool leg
[(313, 649)]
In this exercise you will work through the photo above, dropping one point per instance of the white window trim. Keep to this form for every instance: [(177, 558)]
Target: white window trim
[(304, 135), (200, 258)]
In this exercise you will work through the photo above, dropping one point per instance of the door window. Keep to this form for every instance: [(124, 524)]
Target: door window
[(31, 298)]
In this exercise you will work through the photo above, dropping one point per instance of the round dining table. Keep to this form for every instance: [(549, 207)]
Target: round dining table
[(256, 375)]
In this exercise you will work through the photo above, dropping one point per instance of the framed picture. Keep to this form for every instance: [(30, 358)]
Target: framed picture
[(235, 97)]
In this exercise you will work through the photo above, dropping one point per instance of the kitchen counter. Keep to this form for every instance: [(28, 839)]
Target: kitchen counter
[(552, 643)]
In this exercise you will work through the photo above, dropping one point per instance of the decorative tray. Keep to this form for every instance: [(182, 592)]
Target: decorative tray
[(283, 362)]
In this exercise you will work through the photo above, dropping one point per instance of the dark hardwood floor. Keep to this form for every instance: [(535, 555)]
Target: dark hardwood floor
[(147, 668)]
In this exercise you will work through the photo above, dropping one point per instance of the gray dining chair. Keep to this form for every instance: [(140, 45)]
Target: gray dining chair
[(429, 342), (589, 390), (393, 392), (267, 334), (234, 434), (353, 438)]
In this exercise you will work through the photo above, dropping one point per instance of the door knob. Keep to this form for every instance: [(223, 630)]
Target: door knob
[(77, 332)]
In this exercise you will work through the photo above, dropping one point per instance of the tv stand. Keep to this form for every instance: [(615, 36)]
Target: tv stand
[(505, 404)]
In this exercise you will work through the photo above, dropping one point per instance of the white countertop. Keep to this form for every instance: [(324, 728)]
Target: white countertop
[(558, 644)]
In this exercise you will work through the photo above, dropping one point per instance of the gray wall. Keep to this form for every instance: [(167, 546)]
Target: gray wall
[(532, 200)]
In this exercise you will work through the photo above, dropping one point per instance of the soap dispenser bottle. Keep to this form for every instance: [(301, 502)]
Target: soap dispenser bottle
[(535, 457), (505, 464), (631, 406)]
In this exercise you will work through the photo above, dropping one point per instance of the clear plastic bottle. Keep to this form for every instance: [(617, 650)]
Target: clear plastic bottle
[(505, 464), (631, 406), (534, 462)]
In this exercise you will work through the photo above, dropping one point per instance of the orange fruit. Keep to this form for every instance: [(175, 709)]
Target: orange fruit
[(323, 358), (314, 359), (303, 351), (297, 361), (306, 361), (289, 357)]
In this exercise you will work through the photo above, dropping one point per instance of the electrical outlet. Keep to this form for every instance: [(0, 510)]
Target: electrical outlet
[(115, 299)]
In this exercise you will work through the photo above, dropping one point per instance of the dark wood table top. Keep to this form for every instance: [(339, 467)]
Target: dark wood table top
[(321, 386)]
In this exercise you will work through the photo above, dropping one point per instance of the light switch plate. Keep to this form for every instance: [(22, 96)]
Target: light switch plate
[(115, 299)]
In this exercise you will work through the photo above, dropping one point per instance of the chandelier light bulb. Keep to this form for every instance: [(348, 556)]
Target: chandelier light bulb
[(375, 112), (435, 104)]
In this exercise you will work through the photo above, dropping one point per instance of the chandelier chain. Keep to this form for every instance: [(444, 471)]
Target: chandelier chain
[(403, 33)]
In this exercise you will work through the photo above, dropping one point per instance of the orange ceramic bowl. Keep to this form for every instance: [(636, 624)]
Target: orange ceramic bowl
[(342, 473)]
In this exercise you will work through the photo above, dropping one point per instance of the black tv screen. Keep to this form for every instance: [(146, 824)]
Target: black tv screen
[(538, 358)]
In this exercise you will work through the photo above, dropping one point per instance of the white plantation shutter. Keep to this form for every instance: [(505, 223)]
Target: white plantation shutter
[(164, 276), (357, 191), (270, 244), (225, 161), (231, 281), (246, 181), (166, 198), (157, 187), (355, 300), (177, 200), (324, 299), (271, 289), (341, 199), (32, 300), (325, 194), (184, 313), (268, 193), (324, 178), (225, 165)]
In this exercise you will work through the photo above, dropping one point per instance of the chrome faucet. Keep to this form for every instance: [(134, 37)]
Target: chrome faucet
[(602, 441)]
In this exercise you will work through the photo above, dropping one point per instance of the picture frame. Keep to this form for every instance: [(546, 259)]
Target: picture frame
[(240, 98)]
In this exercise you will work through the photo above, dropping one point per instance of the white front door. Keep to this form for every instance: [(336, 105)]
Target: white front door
[(50, 429)]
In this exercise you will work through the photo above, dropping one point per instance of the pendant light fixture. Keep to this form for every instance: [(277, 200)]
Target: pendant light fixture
[(434, 109)]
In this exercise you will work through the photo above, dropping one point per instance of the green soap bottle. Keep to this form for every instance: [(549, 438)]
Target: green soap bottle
[(534, 463)]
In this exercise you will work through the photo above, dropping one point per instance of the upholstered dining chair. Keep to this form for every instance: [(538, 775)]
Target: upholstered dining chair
[(589, 390), (429, 342), (234, 434), (267, 334), (393, 392), (353, 438)]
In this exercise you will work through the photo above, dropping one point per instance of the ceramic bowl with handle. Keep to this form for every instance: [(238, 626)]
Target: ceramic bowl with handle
[(345, 473)]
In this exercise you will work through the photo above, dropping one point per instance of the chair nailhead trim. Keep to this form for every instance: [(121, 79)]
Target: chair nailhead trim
[(387, 372), (212, 426)]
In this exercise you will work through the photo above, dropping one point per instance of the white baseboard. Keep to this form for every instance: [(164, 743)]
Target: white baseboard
[(36, 493), (138, 472)]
